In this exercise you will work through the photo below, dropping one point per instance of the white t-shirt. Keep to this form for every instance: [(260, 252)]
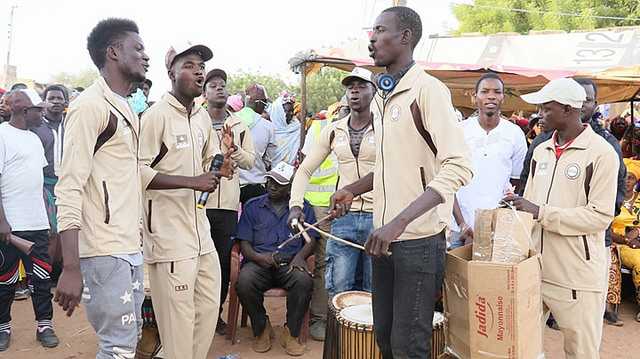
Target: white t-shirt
[(21, 179), (497, 157)]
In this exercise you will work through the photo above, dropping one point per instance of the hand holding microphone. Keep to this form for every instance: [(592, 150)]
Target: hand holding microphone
[(216, 165)]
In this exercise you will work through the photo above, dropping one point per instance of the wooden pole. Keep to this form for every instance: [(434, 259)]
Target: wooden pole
[(303, 103)]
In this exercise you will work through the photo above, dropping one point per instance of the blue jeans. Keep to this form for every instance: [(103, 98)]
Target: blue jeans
[(342, 260)]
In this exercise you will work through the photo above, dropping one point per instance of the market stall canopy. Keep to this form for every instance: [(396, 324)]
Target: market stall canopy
[(609, 56)]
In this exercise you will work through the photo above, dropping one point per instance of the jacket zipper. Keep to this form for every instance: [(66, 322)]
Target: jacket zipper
[(149, 216), (358, 170), (195, 199), (553, 176), (384, 189), (587, 255), (220, 183), (107, 212)]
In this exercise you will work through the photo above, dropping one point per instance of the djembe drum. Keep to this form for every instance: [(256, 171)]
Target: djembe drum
[(357, 338), (336, 304)]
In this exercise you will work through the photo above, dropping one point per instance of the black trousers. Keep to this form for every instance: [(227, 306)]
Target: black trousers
[(405, 286), (254, 280), (37, 266), (223, 225), (250, 191)]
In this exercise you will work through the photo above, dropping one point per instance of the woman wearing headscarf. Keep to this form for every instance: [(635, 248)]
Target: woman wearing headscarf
[(626, 251), (287, 128)]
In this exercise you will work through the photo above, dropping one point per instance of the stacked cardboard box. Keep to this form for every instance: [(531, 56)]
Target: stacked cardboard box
[(492, 293)]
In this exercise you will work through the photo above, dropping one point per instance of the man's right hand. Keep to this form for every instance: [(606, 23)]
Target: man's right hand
[(340, 203), (295, 213), (69, 290), (206, 182), (5, 232), (265, 260), (466, 233)]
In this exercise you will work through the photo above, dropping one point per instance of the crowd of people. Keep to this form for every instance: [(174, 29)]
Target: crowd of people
[(111, 188)]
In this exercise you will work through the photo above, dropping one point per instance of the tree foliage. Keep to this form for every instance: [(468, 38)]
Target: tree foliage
[(323, 88), (82, 78), (238, 82), (491, 16)]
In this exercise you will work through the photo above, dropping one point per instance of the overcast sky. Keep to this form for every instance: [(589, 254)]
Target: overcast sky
[(258, 36)]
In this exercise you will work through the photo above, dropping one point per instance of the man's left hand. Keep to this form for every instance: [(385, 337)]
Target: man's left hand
[(299, 263), (379, 241), (522, 204), (227, 137)]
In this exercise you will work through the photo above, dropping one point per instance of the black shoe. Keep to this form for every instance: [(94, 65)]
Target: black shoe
[(47, 338), (5, 339), (221, 328)]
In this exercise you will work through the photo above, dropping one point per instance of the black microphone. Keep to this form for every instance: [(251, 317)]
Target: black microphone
[(216, 164)]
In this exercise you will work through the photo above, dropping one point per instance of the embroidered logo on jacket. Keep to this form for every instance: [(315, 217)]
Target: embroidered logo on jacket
[(572, 171), (182, 141)]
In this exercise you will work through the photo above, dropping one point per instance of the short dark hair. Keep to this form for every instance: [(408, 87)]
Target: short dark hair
[(408, 19), (105, 34), (585, 81), (56, 87), (148, 82), (487, 76)]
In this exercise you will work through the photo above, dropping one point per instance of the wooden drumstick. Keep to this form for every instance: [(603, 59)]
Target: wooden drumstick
[(294, 223), (337, 239), (331, 236), (304, 233)]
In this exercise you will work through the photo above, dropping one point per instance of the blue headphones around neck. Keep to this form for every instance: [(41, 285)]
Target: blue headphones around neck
[(386, 82)]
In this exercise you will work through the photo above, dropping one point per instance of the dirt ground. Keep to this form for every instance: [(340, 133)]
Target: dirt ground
[(79, 341)]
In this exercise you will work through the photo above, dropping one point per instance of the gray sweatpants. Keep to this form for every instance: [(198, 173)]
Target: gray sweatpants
[(113, 295)]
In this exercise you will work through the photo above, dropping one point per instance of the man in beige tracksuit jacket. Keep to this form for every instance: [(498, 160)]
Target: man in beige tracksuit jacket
[(222, 205), (421, 161), (99, 195), (352, 141), (177, 145), (571, 192)]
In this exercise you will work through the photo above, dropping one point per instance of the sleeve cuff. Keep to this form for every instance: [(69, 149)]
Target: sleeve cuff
[(295, 203), (147, 174), (434, 187)]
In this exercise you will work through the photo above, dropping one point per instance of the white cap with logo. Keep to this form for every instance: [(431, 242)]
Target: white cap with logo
[(281, 173), (565, 91), (358, 73)]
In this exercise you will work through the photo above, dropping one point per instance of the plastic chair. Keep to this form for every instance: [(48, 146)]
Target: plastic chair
[(234, 302)]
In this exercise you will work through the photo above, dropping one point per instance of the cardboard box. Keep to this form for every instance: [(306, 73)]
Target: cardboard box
[(493, 310), (502, 235)]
